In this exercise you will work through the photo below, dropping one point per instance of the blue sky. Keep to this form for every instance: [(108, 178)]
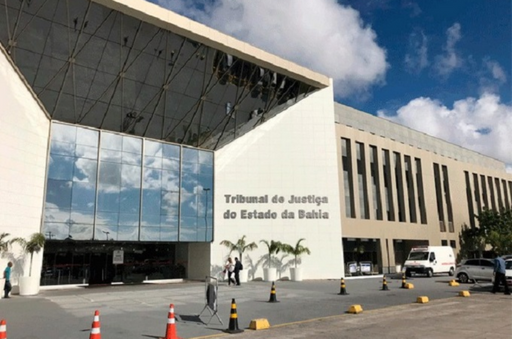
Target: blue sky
[(440, 67)]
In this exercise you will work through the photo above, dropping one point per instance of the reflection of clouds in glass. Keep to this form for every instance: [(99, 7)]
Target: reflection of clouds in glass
[(206, 158), (85, 170), (63, 133), (152, 148)]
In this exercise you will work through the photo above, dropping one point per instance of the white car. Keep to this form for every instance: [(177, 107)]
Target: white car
[(508, 271)]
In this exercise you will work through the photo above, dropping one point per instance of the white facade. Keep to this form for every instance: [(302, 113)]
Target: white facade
[(293, 154), (24, 131)]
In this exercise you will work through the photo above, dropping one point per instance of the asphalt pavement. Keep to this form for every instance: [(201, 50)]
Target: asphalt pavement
[(305, 309)]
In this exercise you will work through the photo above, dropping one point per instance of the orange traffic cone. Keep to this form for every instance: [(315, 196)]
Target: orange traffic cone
[(384, 284), (3, 330), (170, 332), (95, 328)]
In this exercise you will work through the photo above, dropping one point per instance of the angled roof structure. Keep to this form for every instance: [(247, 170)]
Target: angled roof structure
[(133, 67)]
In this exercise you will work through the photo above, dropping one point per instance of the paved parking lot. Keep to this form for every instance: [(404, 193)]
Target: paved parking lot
[(140, 311)]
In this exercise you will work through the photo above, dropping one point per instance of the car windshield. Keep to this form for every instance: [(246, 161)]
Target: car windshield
[(508, 264), (418, 256)]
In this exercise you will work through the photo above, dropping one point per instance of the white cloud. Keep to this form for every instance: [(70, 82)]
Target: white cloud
[(319, 34), (491, 77), (482, 124), (497, 72), (417, 57), (450, 60)]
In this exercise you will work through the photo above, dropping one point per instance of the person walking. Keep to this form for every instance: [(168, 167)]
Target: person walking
[(7, 277), (499, 275), (238, 268), (229, 268)]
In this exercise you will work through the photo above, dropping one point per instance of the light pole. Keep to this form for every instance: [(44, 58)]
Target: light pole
[(206, 190), (106, 233)]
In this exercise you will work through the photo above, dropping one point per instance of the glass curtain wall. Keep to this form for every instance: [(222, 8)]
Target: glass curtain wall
[(105, 186)]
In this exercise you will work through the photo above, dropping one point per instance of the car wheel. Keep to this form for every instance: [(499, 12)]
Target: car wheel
[(463, 278), (430, 273), (451, 272)]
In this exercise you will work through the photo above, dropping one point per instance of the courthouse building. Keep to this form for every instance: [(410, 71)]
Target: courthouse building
[(136, 140)]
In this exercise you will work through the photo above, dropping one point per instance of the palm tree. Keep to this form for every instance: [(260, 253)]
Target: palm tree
[(4, 244), (31, 246), (240, 246), (273, 248), (296, 251)]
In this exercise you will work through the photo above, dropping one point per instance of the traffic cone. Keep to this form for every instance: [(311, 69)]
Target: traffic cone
[(384, 284), (233, 319), (95, 328), (404, 283), (3, 329), (343, 289), (170, 332), (273, 298)]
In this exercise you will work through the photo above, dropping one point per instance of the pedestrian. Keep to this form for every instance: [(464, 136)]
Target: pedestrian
[(238, 268), (7, 277), (499, 275), (229, 268)]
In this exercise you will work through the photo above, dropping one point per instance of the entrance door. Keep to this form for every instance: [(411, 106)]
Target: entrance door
[(101, 269)]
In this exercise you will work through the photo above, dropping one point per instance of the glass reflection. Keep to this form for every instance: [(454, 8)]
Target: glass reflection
[(104, 185)]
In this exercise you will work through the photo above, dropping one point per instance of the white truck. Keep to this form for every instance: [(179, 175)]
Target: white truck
[(430, 260)]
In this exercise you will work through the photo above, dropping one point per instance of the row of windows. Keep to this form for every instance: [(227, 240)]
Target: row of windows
[(486, 192), (401, 176), (107, 186)]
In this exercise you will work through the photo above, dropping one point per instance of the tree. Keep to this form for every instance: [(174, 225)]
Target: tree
[(471, 242), (496, 229), (273, 248), (296, 251), (33, 245), (240, 246)]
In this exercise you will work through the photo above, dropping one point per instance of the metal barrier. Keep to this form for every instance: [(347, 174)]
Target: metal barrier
[(211, 289)]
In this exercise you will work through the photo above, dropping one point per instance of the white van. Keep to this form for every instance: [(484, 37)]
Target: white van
[(430, 260)]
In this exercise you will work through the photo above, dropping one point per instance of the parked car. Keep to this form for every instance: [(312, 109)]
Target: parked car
[(478, 269), (508, 271)]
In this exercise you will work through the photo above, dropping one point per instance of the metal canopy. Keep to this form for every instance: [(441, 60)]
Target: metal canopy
[(94, 66)]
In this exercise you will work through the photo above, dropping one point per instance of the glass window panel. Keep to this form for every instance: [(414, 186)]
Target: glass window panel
[(188, 234), (151, 202), (170, 203), (63, 133), (58, 194), (62, 148), (132, 158), (107, 218), (83, 196), (152, 178), (130, 176), (209, 234), (206, 158), (205, 181), (201, 234), (82, 217), (110, 176), (85, 170), (88, 137), (171, 151), (150, 219), (110, 156), (153, 148), (190, 155), (81, 232), (61, 167), (150, 233), (169, 221), (170, 181), (106, 232), (55, 230), (111, 141), (171, 164), (86, 152), (130, 201), (128, 233), (189, 182), (206, 169), (188, 222), (153, 162), (189, 206), (108, 201), (129, 219), (168, 234), (57, 215), (132, 145)]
